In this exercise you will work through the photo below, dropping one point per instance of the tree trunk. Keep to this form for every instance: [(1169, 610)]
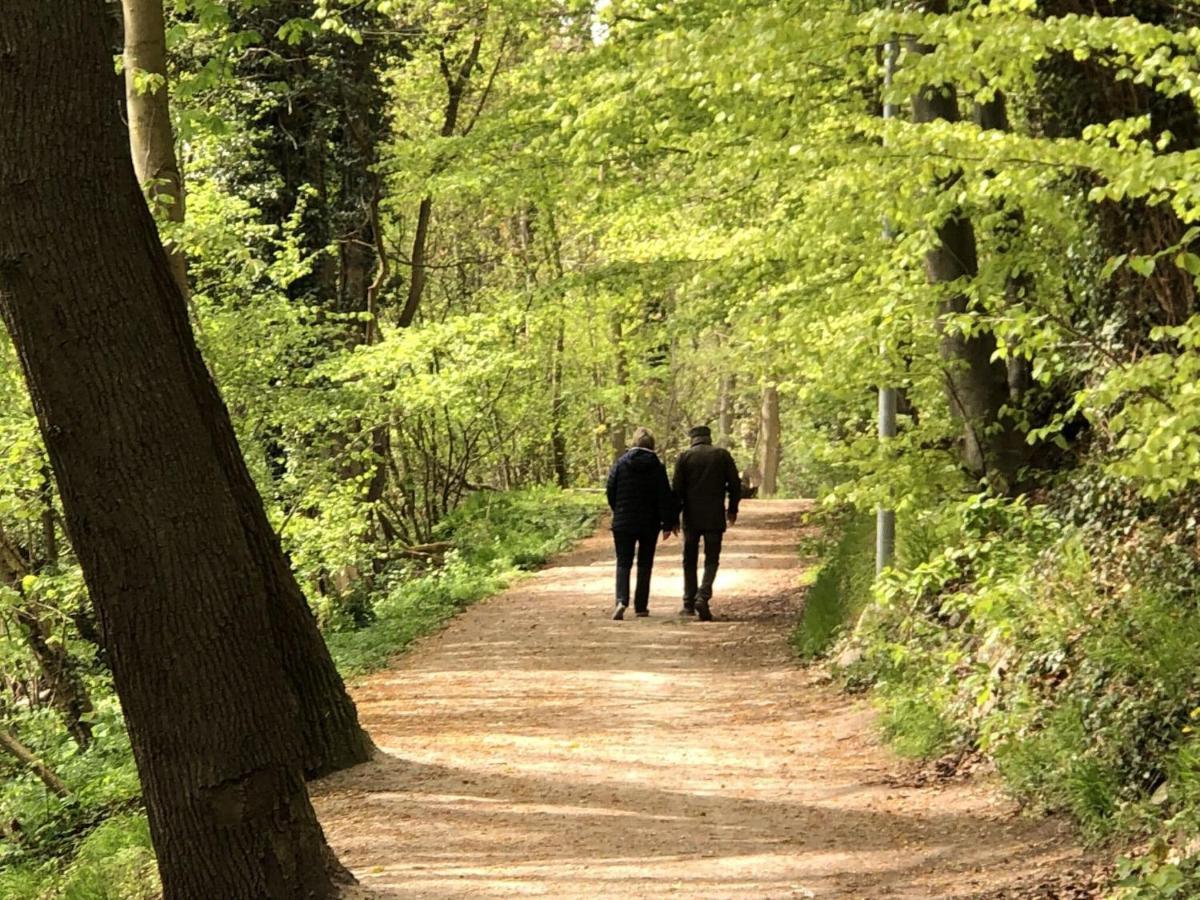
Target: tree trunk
[(727, 387), (769, 441), (618, 433), (558, 437), (57, 668), (184, 582), (457, 80), (1018, 284), (976, 383), (151, 140), (67, 691)]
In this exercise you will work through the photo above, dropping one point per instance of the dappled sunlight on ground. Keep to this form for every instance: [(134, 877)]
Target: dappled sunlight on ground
[(537, 748)]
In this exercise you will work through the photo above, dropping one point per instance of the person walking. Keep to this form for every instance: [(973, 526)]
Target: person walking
[(643, 506), (704, 475)]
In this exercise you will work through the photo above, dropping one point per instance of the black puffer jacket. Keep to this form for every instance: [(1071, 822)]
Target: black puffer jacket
[(639, 494), (704, 474)]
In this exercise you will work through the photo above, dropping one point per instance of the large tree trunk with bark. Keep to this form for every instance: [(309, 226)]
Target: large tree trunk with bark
[(184, 578), (147, 100)]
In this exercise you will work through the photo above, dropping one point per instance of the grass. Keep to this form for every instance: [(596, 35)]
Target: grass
[(840, 590)]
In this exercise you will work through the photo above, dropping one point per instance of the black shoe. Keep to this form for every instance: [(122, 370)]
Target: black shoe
[(641, 613), (703, 612), (689, 608), (619, 612)]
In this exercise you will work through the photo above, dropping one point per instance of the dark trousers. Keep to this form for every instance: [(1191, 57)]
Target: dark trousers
[(629, 544), (691, 556)]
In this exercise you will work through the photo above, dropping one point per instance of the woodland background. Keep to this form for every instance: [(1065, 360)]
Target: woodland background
[(441, 255)]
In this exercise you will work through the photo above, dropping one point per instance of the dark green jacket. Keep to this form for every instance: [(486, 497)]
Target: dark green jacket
[(704, 474)]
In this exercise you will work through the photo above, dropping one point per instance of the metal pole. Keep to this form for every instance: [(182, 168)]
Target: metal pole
[(885, 519)]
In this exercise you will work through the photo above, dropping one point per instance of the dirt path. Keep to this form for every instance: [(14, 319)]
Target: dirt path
[(536, 748)]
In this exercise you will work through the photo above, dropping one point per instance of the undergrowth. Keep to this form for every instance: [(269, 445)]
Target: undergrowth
[(495, 536), (1059, 639), (96, 844), (840, 589)]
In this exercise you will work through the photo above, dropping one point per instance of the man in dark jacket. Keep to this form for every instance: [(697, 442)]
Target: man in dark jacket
[(704, 474), (640, 497)]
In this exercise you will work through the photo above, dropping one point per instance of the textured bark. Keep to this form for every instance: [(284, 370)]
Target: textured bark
[(332, 739), (976, 384), (151, 140), (769, 442), (184, 580)]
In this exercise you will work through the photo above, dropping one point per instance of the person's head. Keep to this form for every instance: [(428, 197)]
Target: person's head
[(700, 434), (643, 438)]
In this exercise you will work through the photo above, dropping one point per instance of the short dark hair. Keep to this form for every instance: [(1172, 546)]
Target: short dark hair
[(700, 431), (643, 438)]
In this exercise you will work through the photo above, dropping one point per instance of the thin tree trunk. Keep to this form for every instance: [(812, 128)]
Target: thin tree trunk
[(769, 441), (184, 583), (151, 140), (558, 438), (619, 438), (29, 759), (59, 670), (1018, 284), (67, 692), (976, 382), (558, 405), (727, 387), (456, 86)]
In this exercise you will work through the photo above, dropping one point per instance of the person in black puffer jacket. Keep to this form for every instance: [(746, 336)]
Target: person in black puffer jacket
[(643, 505), (704, 475)]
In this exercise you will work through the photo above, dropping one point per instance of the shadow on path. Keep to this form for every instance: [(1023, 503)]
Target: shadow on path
[(536, 748)]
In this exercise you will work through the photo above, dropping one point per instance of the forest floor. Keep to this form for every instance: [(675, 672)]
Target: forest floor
[(536, 748)]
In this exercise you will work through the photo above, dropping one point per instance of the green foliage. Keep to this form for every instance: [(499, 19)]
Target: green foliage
[(495, 536), (1063, 650), (840, 591), (1158, 874), (644, 214), (114, 862)]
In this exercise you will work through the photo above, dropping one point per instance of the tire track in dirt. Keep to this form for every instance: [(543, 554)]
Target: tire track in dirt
[(535, 748)]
